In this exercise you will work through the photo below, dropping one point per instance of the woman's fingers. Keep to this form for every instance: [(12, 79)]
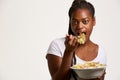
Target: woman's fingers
[(74, 42), (71, 40)]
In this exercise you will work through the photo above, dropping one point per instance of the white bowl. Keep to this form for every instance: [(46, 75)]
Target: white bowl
[(89, 73)]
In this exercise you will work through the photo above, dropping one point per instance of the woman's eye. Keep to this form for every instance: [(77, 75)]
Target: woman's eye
[(85, 21), (74, 22)]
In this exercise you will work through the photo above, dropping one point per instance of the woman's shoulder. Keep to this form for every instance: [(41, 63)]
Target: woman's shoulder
[(101, 47), (102, 56), (58, 41), (57, 47), (62, 39)]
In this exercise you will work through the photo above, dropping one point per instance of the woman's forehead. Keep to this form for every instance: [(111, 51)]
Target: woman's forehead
[(81, 13)]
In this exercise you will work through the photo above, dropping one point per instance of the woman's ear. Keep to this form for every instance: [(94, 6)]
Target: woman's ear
[(94, 21)]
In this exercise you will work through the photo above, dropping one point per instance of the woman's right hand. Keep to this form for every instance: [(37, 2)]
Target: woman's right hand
[(71, 43)]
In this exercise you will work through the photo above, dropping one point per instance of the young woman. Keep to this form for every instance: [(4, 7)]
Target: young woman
[(65, 52)]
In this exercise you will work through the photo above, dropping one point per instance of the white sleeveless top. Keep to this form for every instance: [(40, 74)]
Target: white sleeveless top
[(57, 48)]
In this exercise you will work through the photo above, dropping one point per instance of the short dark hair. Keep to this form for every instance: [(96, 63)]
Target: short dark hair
[(80, 4)]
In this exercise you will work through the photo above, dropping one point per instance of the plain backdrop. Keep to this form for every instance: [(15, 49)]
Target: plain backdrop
[(28, 26)]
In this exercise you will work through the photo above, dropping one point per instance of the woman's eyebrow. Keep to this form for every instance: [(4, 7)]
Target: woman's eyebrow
[(80, 19), (85, 18)]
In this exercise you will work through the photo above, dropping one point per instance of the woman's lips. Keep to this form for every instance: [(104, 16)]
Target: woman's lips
[(78, 31)]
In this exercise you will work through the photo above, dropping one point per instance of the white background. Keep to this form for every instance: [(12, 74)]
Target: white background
[(28, 26)]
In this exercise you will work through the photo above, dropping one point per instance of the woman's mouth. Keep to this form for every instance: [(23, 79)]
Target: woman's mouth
[(82, 38), (79, 33)]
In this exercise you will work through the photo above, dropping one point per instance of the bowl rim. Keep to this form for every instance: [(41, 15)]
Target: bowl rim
[(103, 67)]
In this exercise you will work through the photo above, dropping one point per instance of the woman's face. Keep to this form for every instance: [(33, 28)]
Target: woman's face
[(82, 22)]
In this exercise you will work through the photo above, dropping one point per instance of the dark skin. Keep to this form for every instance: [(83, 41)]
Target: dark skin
[(59, 67)]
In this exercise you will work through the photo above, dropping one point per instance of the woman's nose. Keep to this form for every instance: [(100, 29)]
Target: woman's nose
[(80, 25)]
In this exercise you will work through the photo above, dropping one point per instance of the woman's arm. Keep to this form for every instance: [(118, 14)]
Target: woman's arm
[(102, 77), (60, 67)]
